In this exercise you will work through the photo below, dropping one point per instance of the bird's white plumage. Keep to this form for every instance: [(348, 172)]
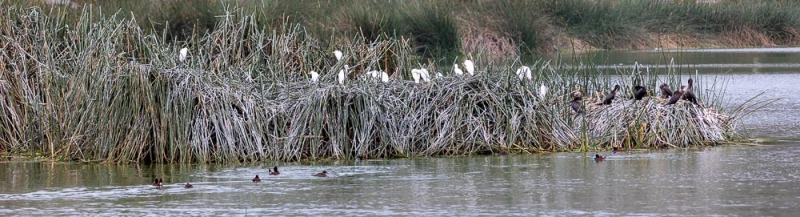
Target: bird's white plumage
[(424, 75), (314, 76), (542, 91), (338, 55), (439, 75), (469, 66), (384, 77), (183, 53), (457, 70), (415, 73), (341, 75), (524, 73)]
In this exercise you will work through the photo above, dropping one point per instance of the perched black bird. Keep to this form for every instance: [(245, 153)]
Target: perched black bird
[(610, 96), (576, 103), (665, 91), (675, 96), (688, 95), (639, 92)]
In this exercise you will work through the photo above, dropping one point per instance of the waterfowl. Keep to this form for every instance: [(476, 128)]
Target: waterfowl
[(576, 103), (665, 91), (598, 157), (457, 70), (675, 97), (470, 67), (639, 92), (610, 96), (187, 185), (274, 171), (688, 95), (614, 150), (158, 182), (322, 174), (256, 179)]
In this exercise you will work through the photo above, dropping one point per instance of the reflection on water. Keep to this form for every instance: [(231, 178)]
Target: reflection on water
[(732, 180), (729, 180)]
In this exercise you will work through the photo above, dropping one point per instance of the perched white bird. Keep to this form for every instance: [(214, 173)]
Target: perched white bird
[(314, 76), (469, 66), (415, 73), (542, 91), (524, 72), (439, 75), (338, 55), (457, 70), (384, 77), (374, 74), (183, 53), (423, 73), (341, 74)]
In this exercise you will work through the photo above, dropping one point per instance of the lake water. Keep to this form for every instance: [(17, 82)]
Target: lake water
[(740, 180)]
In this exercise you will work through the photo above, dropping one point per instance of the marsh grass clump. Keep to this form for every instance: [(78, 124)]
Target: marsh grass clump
[(108, 91)]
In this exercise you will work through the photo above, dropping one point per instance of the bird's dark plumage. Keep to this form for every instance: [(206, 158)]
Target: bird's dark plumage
[(639, 92), (576, 104), (665, 91), (610, 96), (675, 97), (688, 94)]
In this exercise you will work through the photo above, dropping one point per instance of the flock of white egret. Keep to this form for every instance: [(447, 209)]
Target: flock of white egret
[(418, 74)]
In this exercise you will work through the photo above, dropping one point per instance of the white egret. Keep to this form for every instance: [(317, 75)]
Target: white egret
[(469, 66), (384, 77), (374, 74), (423, 73), (457, 70), (542, 91), (439, 75), (314, 76), (338, 55), (415, 73), (524, 72), (341, 75), (183, 53)]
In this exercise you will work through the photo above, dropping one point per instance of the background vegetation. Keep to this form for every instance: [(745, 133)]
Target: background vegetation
[(498, 28)]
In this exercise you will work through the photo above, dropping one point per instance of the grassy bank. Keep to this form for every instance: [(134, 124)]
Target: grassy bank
[(498, 28), (106, 90)]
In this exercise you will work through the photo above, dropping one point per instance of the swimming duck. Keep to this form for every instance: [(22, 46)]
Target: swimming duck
[(158, 182), (274, 171), (639, 92), (187, 185), (256, 179), (322, 174), (610, 96), (675, 97), (598, 157), (614, 150), (665, 91)]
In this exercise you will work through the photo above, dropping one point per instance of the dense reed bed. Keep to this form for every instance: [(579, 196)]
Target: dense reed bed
[(107, 91), (506, 28)]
